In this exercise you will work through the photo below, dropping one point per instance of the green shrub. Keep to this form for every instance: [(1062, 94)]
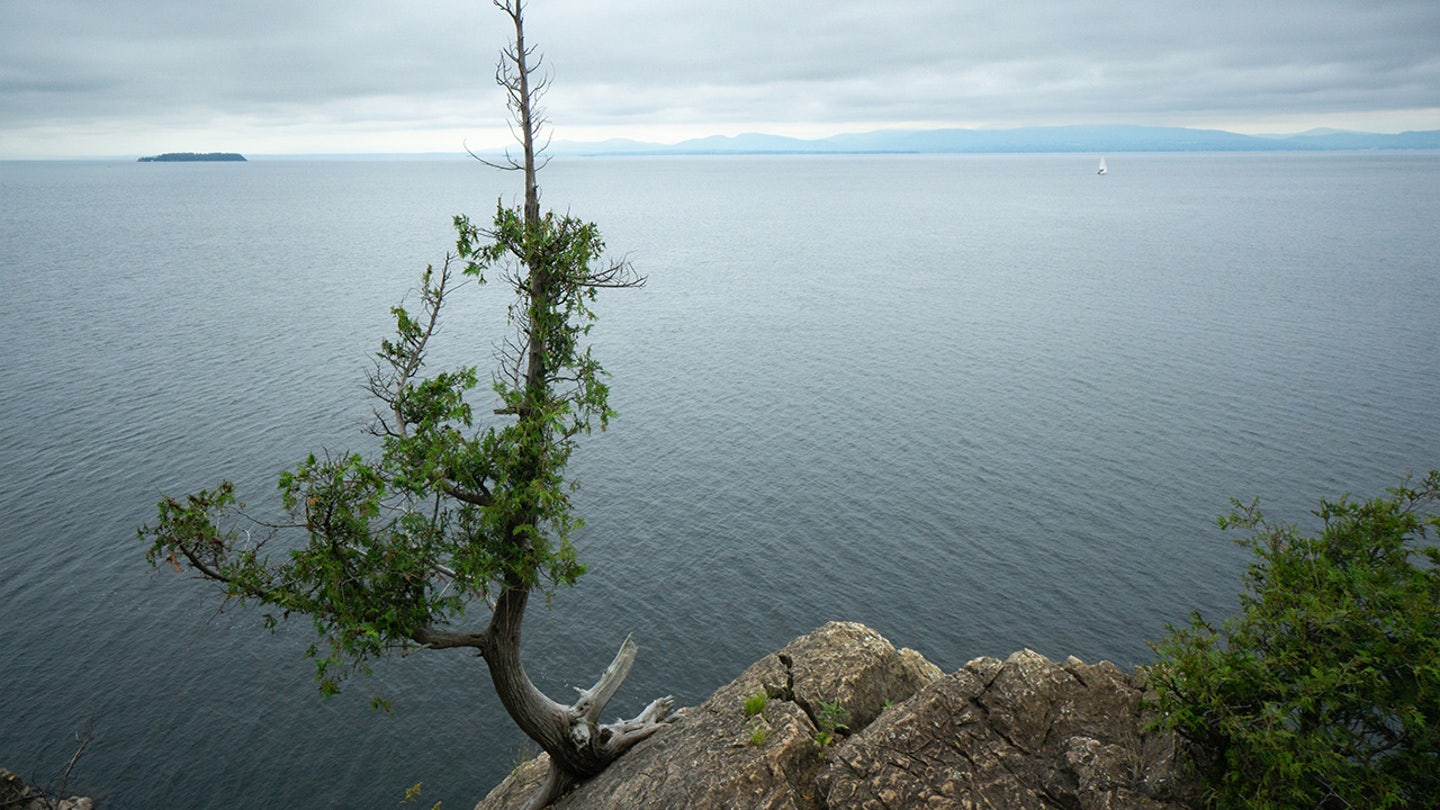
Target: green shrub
[(1325, 691), (755, 704), (831, 719), (759, 734)]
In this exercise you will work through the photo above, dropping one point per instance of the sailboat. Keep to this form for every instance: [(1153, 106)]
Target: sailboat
[(1103, 170)]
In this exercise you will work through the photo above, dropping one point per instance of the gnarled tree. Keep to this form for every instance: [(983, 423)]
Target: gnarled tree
[(460, 509)]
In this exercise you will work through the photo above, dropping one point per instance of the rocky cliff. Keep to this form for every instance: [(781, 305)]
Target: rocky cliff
[(15, 794), (848, 721)]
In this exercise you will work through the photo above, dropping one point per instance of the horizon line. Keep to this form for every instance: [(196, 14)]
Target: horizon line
[(698, 145)]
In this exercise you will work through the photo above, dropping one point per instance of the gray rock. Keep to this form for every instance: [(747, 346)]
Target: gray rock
[(711, 759), (16, 795), (1021, 733)]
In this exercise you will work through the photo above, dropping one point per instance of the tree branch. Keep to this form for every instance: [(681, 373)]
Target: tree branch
[(474, 498), (433, 639), (592, 701)]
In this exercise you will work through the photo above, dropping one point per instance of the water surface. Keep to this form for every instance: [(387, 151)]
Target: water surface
[(977, 402)]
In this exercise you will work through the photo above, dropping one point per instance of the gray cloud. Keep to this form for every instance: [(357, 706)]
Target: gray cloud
[(645, 67)]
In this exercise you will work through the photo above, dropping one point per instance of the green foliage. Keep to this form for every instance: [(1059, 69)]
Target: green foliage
[(1325, 691), (552, 385), (831, 719), (462, 505), (759, 734), (755, 704), (412, 794), (454, 506)]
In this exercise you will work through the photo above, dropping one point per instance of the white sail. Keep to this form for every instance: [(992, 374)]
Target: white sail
[(1103, 170)]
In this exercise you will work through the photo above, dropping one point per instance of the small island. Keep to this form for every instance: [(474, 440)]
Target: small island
[(191, 157)]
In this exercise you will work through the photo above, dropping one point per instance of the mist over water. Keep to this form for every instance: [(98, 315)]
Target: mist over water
[(977, 402)]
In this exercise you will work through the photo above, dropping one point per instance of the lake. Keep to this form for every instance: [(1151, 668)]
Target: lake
[(979, 403)]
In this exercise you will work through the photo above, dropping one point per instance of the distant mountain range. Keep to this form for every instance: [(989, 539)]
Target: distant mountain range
[(1097, 139)]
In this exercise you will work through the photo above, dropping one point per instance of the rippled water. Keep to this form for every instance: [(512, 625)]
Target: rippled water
[(979, 403)]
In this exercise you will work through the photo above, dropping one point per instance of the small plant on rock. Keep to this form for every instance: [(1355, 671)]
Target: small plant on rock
[(755, 704), (831, 719), (759, 734)]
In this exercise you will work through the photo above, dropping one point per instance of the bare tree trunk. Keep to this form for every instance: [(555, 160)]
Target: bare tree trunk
[(578, 745), (537, 715), (527, 120)]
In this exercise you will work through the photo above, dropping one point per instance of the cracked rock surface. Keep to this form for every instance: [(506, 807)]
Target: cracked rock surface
[(1026, 732), (1021, 733)]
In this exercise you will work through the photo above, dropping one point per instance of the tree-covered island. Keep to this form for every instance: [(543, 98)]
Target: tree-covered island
[(194, 157)]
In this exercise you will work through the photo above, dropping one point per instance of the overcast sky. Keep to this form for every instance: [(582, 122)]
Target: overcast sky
[(131, 77)]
